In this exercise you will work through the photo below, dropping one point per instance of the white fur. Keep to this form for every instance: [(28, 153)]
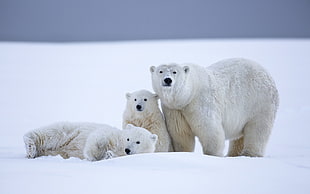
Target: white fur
[(234, 99), (83, 140), (142, 110), (139, 140)]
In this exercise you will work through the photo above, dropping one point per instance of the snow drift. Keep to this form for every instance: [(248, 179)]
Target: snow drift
[(41, 83)]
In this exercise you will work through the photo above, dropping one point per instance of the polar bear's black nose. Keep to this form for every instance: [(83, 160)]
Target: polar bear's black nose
[(139, 107), (127, 151), (168, 81)]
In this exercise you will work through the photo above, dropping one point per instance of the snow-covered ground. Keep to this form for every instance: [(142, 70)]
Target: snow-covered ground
[(41, 83)]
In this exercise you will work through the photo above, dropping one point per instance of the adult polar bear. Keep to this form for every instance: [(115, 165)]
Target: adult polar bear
[(234, 99)]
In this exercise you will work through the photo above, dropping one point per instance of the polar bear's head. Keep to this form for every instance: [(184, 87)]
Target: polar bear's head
[(141, 102), (172, 85), (168, 76), (138, 140)]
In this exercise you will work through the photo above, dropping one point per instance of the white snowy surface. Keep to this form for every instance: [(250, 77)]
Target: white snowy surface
[(41, 83)]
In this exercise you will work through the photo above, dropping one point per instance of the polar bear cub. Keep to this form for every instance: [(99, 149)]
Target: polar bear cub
[(89, 141), (139, 140), (142, 110)]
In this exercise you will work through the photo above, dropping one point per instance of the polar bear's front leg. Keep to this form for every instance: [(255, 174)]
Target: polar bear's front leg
[(183, 140), (211, 136), (95, 147)]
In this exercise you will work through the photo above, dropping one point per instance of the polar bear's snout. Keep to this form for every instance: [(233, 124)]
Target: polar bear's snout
[(167, 81), (128, 151), (139, 107)]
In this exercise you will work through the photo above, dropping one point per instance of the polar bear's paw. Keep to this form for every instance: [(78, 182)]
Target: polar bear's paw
[(109, 155), (251, 153)]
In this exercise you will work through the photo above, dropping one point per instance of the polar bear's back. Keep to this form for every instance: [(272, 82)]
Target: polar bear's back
[(242, 77), (237, 68), (63, 130)]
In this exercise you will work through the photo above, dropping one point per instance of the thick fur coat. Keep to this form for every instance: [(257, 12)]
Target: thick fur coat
[(89, 141), (142, 110), (234, 99)]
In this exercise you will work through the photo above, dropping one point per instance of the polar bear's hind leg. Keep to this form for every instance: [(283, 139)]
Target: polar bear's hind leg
[(256, 135), (30, 146), (235, 147)]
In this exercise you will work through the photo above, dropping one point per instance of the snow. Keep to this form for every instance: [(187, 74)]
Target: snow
[(42, 83)]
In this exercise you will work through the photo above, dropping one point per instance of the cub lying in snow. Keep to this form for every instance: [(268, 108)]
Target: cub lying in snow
[(89, 141)]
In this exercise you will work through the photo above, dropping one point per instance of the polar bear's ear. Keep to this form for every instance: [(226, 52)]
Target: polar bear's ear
[(129, 126), (156, 96), (128, 95), (154, 138), (186, 69), (152, 69)]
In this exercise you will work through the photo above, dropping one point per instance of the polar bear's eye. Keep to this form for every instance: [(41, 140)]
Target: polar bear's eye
[(145, 99), (160, 71), (127, 139), (138, 142), (174, 72), (135, 99)]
